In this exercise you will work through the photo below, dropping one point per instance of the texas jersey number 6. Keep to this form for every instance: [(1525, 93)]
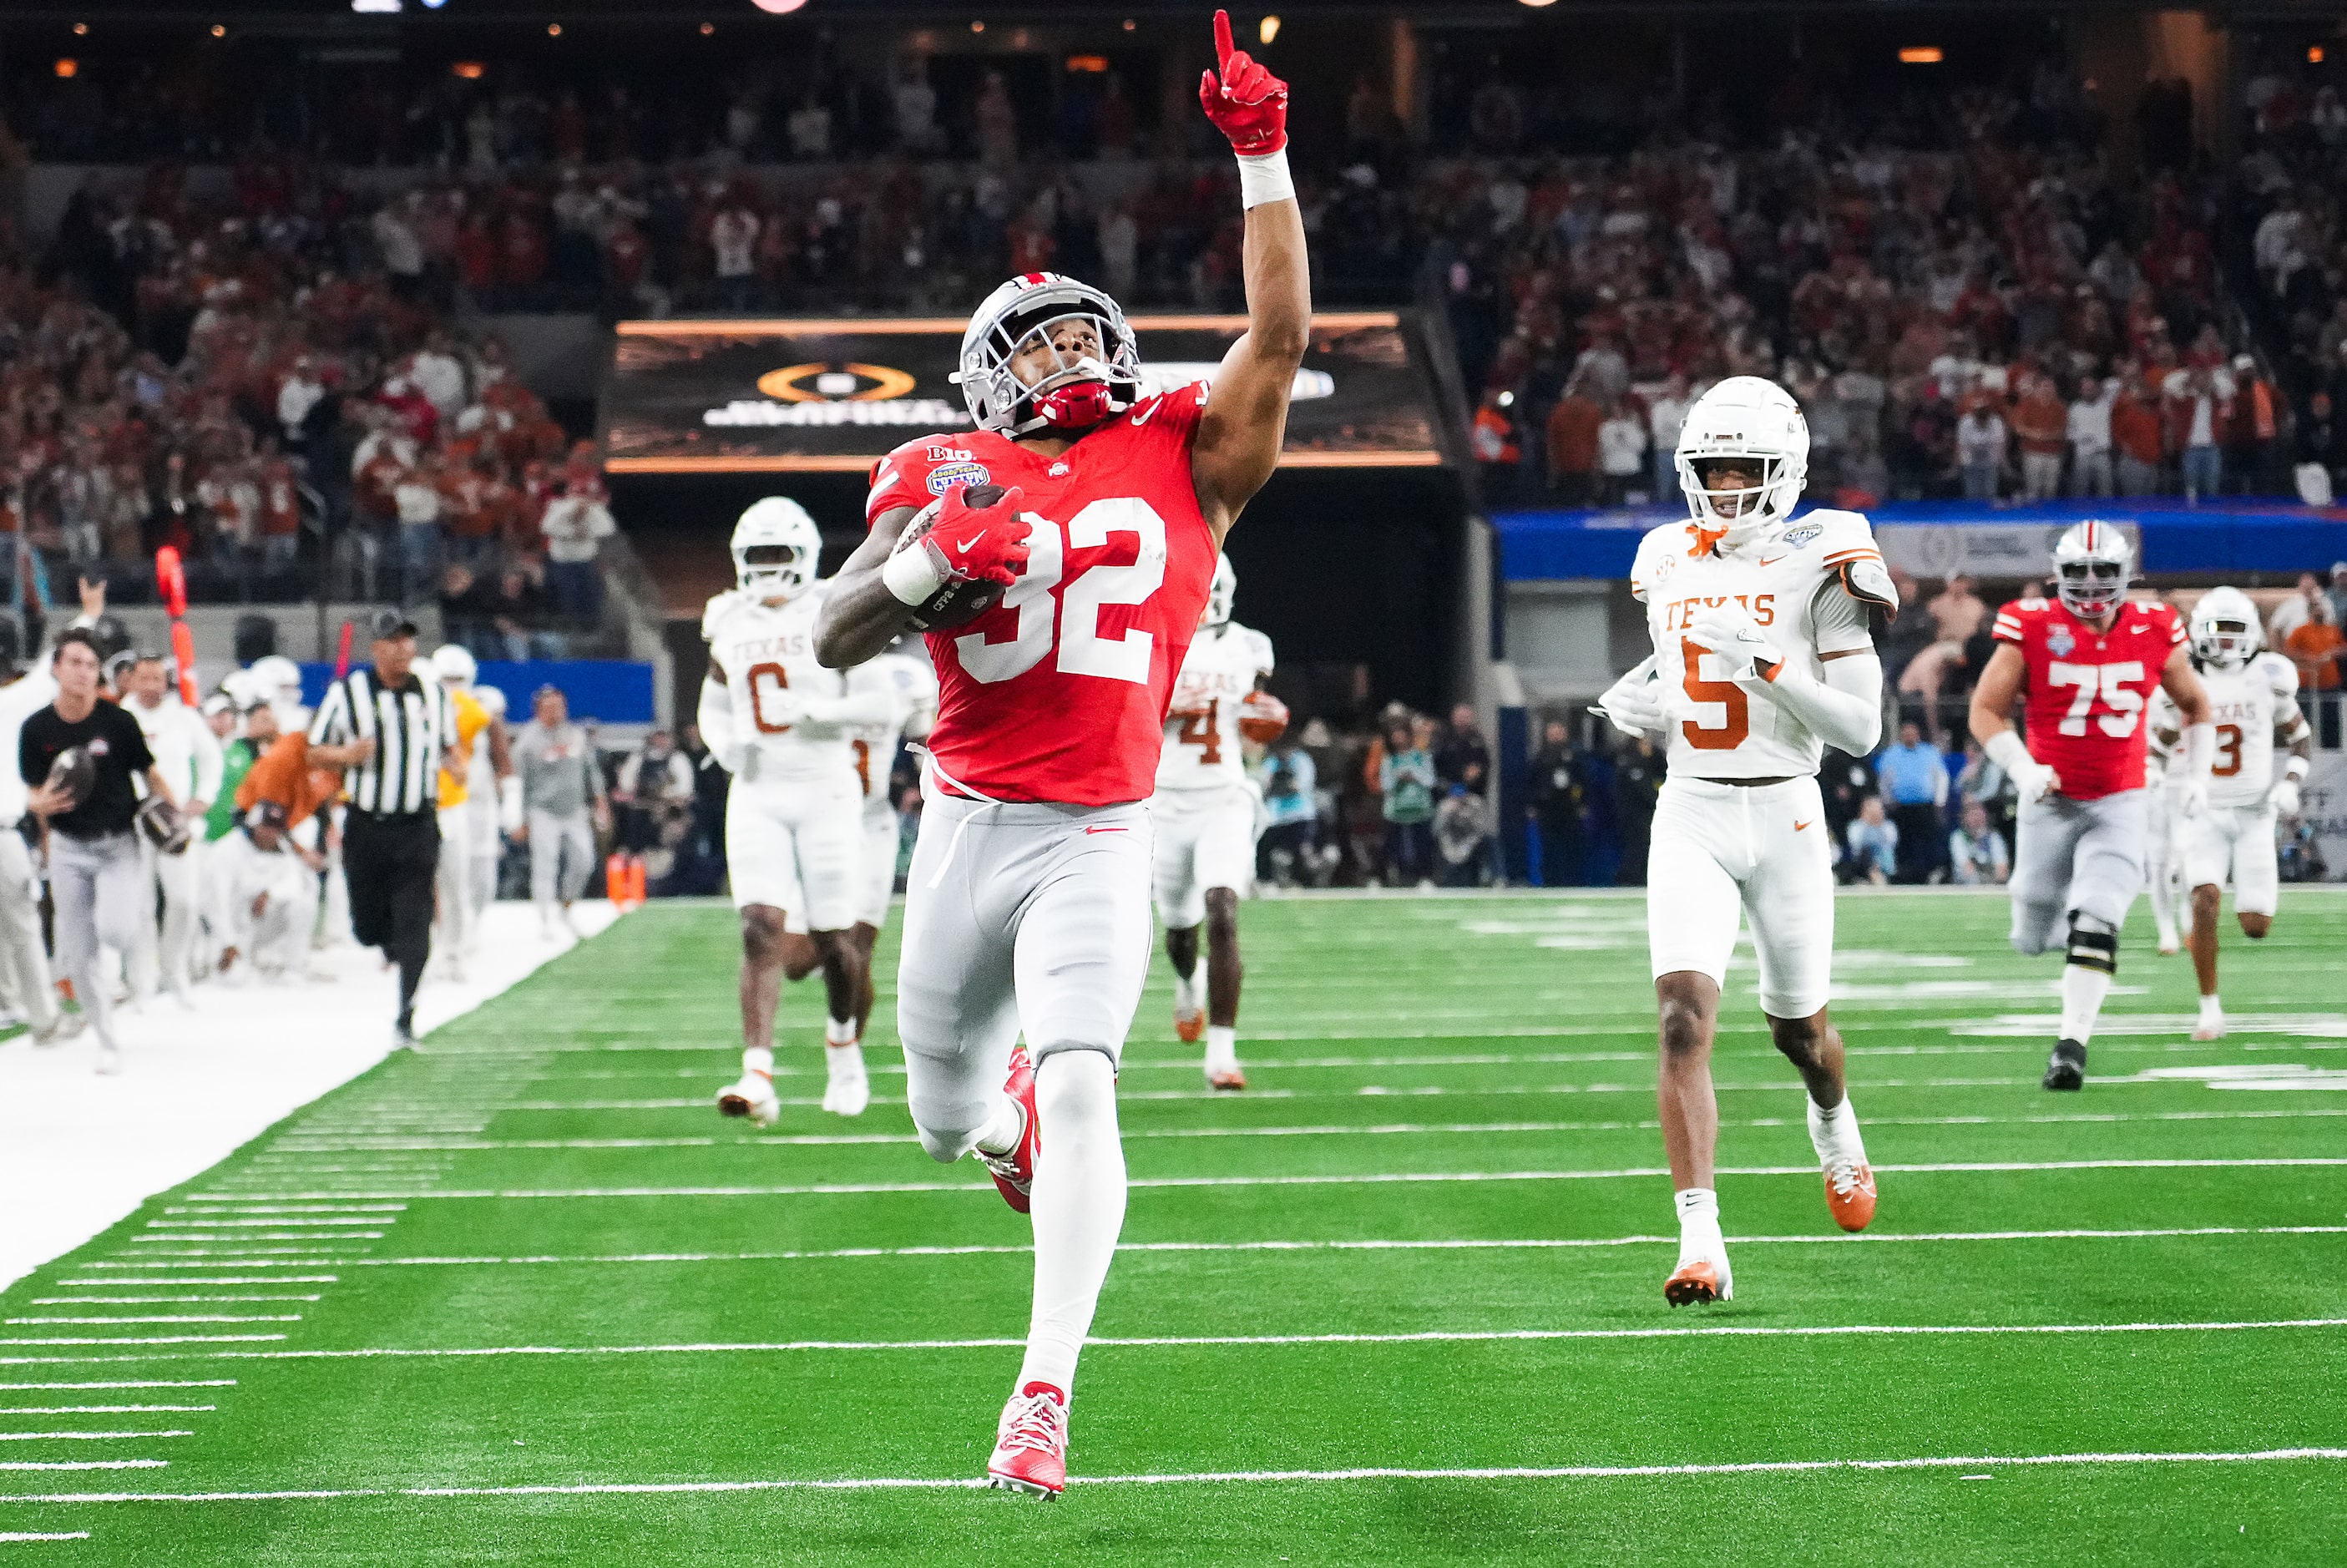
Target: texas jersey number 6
[(1075, 610)]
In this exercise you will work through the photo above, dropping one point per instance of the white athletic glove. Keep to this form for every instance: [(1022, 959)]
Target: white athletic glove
[(2032, 779), (2188, 771), (1730, 631), (2283, 797), (509, 803), (1634, 703)]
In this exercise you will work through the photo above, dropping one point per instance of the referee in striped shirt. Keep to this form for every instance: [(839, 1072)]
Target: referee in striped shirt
[(390, 730)]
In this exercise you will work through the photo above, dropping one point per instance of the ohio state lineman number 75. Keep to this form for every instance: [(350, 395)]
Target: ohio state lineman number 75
[(1081, 650)]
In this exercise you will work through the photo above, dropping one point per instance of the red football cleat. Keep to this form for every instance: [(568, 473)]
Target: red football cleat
[(1030, 1444), (1014, 1172)]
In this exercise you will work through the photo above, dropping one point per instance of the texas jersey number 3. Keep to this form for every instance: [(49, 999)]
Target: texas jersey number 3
[(1069, 623)]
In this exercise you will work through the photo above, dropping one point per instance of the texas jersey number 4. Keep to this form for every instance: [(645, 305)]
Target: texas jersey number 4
[(1083, 650)]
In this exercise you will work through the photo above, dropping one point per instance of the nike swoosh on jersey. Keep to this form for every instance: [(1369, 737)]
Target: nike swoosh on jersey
[(1143, 415), (1802, 826), (1107, 830)]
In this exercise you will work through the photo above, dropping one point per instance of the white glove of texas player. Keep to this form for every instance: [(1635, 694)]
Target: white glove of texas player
[(1634, 703), (2283, 797), (1729, 631)]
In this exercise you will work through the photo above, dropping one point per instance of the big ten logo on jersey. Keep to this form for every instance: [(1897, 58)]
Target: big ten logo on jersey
[(1058, 610), (1680, 613)]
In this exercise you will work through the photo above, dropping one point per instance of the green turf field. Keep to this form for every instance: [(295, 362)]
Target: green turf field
[(521, 1296)]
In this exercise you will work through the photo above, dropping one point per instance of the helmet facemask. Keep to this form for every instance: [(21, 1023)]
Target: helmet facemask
[(1741, 512), (2226, 630), (2090, 589), (1081, 364), (773, 570)]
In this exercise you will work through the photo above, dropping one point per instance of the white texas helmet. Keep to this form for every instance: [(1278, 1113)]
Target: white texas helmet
[(1080, 393), (2093, 562), (775, 545), (1223, 594), (453, 665), (2225, 628), (1743, 416)]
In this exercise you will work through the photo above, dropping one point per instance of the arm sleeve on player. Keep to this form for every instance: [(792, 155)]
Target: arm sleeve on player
[(207, 749), (1844, 709), (715, 717)]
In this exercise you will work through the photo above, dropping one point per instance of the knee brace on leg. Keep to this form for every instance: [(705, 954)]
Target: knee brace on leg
[(2093, 944)]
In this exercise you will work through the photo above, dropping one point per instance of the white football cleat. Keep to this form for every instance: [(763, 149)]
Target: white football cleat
[(109, 1060), (847, 1093), (752, 1097), (2212, 1022), (68, 1024), (1030, 1446)]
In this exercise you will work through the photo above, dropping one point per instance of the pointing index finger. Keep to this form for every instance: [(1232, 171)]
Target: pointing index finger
[(1222, 39)]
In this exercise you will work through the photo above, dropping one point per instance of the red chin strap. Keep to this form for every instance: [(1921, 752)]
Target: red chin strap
[(1078, 406)]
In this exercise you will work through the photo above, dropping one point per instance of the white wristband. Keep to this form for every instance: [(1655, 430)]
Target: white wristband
[(2005, 749), (1266, 178), (911, 576), (2296, 768)]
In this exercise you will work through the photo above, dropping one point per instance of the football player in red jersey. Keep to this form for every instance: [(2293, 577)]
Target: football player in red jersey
[(1027, 906), (2086, 666)]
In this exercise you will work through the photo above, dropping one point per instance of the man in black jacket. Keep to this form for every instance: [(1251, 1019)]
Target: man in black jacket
[(1555, 806)]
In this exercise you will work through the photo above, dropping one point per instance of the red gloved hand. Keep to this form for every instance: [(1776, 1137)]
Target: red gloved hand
[(1249, 105), (979, 544)]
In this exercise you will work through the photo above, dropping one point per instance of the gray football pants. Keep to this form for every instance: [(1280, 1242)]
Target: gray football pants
[(103, 896), (1018, 918), (2076, 857)]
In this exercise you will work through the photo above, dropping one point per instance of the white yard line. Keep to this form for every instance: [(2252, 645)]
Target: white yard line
[(142, 1383), (156, 1300), (31, 1535), (161, 1318), (103, 1409), (1837, 1238), (1258, 1341), (808, 1190), (79, 1152), (82, 1437), (78, 1464), (1215, 1478)]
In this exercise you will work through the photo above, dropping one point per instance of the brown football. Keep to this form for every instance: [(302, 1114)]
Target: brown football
[(954, 603), (1263, 718)]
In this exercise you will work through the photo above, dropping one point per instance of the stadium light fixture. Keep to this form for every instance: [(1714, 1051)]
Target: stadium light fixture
[(1088, 64), (554, 29), (1129, 23), (81, 30), (2314, 54), (1923, 54), (707, 28), (68, 68), (219, 30), (468, 70), (1540, 4), (778, 7), (376, 7), (1268, 30), (978, 27)]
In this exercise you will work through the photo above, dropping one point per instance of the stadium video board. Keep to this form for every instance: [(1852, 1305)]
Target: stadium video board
[(781, 396)]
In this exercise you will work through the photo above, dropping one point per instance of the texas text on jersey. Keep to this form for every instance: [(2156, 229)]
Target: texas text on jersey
[(2247, 705), (2083, 708), (767, 652), (1202, 730), (1058, 694), (1808, 585)]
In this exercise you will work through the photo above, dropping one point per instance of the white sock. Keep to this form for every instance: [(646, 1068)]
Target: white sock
[(758, 1059), (1078, 1208), (1834, 1134), (2209, 1007), (2082, 999), (1222, 1045), (1185, 993), (1698, 1223), (844, 1061), (1008, 1126), (840, 1031)]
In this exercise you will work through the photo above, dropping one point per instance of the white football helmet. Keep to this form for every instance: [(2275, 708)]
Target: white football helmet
[(1076, 394), (275, 677), (776, 547), (492, 700), (2225, 628), (1220, 597), (453, 665), (1743, 416), (2093, 562)]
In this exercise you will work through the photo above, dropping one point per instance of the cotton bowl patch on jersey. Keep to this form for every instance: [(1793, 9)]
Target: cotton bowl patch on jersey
[(1801, 534), (942, 479)]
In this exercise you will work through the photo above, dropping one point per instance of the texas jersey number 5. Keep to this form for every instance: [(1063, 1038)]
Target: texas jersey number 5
[(1075, 610)]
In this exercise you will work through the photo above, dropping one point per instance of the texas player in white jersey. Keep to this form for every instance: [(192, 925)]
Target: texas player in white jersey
[(777, 720), (1763, 656), (1203, 819), (903, 675), (1027, 907), (2253, 701)]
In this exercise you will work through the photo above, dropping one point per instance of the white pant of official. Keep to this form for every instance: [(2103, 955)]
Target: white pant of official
[(799, 847), (24, 960), (2075, 857), (455, 904), (274, 941), (168, 954), (1018, 918), (1205, 838), (2236, 841), (102, 894), (561, 853), (1760, 851), (486, 850)]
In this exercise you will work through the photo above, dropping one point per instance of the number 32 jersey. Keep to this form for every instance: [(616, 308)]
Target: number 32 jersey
[(2083, 705), (1059, 693), (1807, 584)]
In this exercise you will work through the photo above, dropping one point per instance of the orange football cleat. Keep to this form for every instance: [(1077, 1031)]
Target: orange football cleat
[(1700, 1283), (1190, 1028), (1225, 1080), (1849, 1196)]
